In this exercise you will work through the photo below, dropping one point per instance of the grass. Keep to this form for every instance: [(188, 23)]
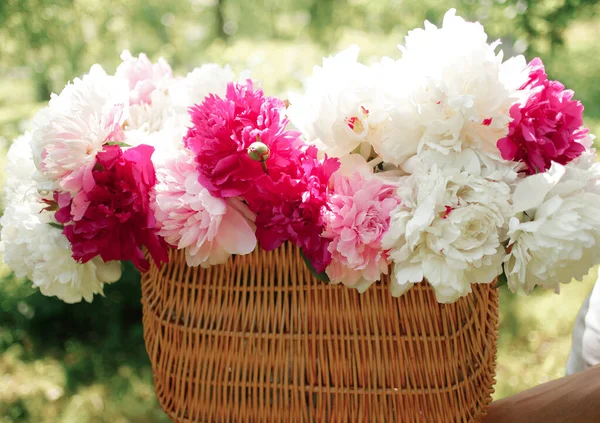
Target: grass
[(535, 335), (80, 363)]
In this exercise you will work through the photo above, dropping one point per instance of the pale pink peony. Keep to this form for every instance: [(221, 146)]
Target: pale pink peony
[(209, 229), (358, 217), (142, 75), (66, 142)]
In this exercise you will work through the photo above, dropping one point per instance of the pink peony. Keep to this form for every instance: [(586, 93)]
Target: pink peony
[(358, 217), (210, 229), (546, 126), (117, 218), (290, 207), (143, 76), (66, 141), (224, 128), (81, 179)]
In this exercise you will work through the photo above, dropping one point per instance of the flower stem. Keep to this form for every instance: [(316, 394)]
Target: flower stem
[(264, 166)]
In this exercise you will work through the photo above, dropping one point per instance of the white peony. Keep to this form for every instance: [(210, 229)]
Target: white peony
[(34, 249), (448, 231), (474, 162), (77, 123), (343, 109), (164, 121), (450, 91), (151, 117), (202, 81), (167, 141), (555, 234), (19, 168), (209, 229)]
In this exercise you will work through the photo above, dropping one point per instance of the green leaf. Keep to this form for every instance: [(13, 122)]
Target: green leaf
[(502, 280), (320, 276), (56, 225), (119, 143)]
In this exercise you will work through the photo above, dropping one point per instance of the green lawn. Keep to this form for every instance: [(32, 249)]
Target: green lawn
[(535, 335)]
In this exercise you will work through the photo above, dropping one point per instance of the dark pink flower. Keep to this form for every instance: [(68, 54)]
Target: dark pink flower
[(290, 206), (117, 219), (546, 127), (224, 128)]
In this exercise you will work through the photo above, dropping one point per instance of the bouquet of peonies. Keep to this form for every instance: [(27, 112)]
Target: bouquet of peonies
[(449, 165)]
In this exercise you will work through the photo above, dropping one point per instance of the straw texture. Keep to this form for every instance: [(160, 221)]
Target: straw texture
[(260, 340)]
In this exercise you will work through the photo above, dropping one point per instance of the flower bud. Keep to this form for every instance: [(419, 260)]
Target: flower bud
[(259, 151)]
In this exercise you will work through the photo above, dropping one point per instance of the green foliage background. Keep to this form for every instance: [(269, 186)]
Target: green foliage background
[(86, 362)]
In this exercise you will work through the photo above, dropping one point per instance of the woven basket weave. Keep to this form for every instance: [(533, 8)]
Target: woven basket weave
[(260, 340)]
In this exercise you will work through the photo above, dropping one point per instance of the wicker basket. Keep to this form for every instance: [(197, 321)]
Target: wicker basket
[(259, 340)]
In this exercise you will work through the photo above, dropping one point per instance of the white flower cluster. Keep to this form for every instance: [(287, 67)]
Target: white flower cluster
[(449, 91), (35, 249), (142, 103), (448, 230), (455, 171), (456, 91), (554, 234), (342, 110), (430, 122)]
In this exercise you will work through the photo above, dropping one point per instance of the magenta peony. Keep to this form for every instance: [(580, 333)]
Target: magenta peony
[(116, 219), (224, 128), (546, 126), (357, 218), (290, 206)]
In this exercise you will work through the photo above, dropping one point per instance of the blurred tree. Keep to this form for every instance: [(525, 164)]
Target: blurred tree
[(322, 20), (60, 39), (544, 22), (24, 35), (220, 20)]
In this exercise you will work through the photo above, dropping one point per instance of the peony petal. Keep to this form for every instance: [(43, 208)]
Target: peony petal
[(531, 191), (236, 234)]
